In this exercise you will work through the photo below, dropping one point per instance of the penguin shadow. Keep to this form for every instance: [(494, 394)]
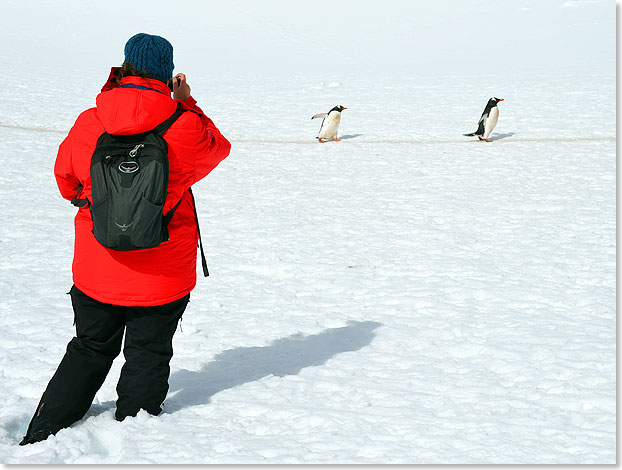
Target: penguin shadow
[(501, 136), (349, 136), (285, 356)]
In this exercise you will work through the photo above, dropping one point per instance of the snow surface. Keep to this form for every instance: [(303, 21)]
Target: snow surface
[(407, 295)]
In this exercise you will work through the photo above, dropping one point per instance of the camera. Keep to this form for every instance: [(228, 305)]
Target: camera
[(170, 83)]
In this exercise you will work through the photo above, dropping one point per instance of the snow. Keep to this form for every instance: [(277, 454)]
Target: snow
[(407, 295)]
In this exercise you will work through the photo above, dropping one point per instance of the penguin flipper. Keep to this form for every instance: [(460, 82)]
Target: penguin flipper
[(320, 115), (480, 129), (478, 132)]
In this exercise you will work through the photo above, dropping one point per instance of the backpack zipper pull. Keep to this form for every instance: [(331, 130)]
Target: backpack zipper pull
[(134, 151)]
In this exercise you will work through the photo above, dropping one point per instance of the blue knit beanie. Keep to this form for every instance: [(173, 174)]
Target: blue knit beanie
[(152, 54)]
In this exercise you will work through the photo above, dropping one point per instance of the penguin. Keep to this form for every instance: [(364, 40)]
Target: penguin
[(488, 121), (330, 124)]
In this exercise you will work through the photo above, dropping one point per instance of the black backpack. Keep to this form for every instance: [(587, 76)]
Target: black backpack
[(129, 183)]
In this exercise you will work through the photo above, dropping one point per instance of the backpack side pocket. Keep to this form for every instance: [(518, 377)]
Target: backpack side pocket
[(99, 214), (151, 223)]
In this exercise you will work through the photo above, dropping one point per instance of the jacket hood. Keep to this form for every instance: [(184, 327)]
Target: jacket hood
[(137, 105)]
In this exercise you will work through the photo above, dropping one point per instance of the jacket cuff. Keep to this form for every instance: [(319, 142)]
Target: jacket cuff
[(190, 102)]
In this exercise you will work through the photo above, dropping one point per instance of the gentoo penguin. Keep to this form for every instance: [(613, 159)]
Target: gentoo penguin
[(488, 121), (330, 124)]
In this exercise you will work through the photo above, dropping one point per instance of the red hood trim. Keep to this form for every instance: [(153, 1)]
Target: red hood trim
[(125, 111)]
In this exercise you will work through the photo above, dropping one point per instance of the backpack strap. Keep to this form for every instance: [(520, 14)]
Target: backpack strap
[(79, 202), (167, 218), (203, 260), (163, 127)]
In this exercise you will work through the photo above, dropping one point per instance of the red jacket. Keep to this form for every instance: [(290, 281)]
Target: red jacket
[(157, 275)]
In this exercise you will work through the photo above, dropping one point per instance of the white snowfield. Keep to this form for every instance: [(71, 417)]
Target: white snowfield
[(407, 295)]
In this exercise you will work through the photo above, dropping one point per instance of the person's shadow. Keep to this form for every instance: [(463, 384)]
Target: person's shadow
[(285, 356)]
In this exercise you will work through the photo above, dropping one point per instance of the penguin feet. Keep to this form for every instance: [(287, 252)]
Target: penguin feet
[(485, 140), (320, 141), (337, 140)]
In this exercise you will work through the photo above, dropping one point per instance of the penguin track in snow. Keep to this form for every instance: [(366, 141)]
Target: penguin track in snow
[(431, 142), (353, 140)]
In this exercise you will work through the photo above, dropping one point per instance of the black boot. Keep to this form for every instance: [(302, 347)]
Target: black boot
[(148, 350), (37, 436), (70, 392), (39, 428)]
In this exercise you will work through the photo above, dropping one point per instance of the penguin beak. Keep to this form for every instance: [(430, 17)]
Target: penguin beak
[(500, 99)]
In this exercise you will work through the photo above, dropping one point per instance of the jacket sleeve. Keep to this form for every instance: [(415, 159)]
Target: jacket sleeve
[(209, 145), (67, 181)]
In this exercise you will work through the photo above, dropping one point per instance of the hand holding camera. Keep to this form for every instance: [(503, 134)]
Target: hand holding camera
[(180, 88)]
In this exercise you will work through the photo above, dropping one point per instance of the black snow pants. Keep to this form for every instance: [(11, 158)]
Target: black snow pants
[(100, 328)]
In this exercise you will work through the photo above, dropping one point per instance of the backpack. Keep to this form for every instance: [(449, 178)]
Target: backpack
[(129, 184)]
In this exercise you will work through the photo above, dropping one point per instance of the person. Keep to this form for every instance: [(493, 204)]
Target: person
[(141, 294)]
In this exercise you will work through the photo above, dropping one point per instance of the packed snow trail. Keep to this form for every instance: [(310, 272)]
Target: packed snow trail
[(346, 138)]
